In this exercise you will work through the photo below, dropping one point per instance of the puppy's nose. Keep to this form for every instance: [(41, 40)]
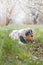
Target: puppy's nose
[(31, 35)]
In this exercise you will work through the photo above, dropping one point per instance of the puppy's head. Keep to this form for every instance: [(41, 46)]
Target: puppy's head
[(29, 35)]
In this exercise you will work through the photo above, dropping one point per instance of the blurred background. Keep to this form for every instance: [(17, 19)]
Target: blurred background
[(21, 12)]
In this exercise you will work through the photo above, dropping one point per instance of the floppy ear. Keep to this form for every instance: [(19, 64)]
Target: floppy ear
[(26, 33), (22, 39)]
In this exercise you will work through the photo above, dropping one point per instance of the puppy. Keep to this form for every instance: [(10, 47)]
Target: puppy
[(23, 35)]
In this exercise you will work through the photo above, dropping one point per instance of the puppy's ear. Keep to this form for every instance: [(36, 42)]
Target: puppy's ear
[(31, 30), (26, 33)]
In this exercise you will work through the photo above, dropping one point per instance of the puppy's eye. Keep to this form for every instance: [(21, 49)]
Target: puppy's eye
[(28, 32)]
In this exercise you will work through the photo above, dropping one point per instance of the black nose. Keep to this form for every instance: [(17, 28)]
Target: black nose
[(31, 35)]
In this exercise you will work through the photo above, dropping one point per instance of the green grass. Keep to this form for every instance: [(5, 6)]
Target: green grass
[(13, 53)]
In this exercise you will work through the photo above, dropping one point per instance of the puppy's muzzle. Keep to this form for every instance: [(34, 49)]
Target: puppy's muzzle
[(29, 38)]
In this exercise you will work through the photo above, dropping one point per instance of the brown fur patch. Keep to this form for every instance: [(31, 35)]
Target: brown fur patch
[(29, 38)]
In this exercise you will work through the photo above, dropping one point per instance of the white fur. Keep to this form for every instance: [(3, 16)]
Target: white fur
[(16, 33)]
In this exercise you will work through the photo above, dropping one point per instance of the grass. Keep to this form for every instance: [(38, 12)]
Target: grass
[(13, 53)]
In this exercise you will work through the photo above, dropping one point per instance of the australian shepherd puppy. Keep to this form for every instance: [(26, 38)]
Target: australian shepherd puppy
[(23, 35)]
